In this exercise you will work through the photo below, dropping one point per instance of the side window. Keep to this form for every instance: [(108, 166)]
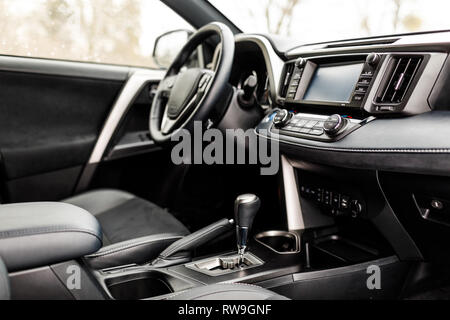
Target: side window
[(102, 31)]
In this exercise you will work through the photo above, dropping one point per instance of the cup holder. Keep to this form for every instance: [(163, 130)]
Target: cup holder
[(144, 285), (282, 242)]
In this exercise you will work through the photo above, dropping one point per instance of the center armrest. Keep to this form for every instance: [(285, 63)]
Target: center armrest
[(40, 234)]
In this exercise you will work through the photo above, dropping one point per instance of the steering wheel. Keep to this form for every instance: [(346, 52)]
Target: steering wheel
[(191, 94)]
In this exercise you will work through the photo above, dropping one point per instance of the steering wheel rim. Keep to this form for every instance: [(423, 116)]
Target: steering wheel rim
[(191, 95)]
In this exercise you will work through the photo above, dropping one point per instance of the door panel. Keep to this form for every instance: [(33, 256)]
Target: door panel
[(50, 123)]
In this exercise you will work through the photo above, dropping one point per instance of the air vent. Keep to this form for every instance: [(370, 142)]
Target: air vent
[(400, 76), (286, 78)]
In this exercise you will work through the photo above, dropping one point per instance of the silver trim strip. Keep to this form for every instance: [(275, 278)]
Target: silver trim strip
[(293, 207), (418, 41), (343, 270), (287, 234), (126, 98), (273, 62)]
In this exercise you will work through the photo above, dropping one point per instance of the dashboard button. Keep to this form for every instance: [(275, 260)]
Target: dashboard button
[(301, 123), (345, 202), (336, 200), (364, 81), (367, 73), (319, 125), (326, 198), (361, 89), (316, 132), (304, 130), (311, 124), (289, 128), (358, 97), (386, 108)]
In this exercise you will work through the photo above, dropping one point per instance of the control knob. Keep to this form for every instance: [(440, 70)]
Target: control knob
[(373, 59), (334, 124), (356, 208), (300, 62), (282, 118)]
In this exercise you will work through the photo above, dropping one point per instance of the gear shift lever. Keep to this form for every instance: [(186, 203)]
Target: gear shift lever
[(245, 209)]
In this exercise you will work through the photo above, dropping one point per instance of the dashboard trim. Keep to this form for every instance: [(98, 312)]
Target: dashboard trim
[(273, 62), (294, 212), (438, 41), (368, 150)]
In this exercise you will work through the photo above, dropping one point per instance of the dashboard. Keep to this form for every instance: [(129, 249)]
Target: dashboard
[(361, 101)]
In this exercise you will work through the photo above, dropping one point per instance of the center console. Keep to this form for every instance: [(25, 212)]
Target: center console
[(294, 263)]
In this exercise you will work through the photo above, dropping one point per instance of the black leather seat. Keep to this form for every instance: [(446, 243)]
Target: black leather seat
[(134, 230), (230, 291)]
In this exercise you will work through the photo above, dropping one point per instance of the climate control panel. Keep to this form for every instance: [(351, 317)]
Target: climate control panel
[(315, 127)]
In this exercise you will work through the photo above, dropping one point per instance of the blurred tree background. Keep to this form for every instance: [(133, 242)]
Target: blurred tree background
[(108, 31), (123, 31)]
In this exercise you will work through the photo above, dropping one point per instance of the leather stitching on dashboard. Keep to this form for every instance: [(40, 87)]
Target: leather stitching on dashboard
[(365, 150)]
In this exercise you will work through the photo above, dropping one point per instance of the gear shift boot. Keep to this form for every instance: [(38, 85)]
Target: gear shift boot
[(217, 266)]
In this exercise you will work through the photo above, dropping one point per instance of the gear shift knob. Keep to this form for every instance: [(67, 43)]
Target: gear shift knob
[(245, 209)]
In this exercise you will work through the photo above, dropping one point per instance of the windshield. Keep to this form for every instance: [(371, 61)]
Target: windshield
[(312, 21)]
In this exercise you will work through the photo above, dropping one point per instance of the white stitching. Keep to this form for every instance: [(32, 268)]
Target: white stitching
[(41, 231), (130, 246), (194, 238), (365, 150)]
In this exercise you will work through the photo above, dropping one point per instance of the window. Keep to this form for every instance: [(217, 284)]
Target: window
[(103, 31), (312, 21)]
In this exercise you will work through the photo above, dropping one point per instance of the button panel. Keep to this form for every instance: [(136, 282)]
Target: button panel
[(308, 126), (332, 202), (295, 82)]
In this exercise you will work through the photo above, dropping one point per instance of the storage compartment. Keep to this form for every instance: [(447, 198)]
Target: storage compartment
[(281, 242), (144, 285), (335, 251), (347, 282)]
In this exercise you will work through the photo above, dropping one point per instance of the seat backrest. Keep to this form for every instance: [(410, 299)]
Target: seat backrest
[(4, 282)]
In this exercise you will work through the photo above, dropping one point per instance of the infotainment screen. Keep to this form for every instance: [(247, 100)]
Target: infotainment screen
[(333, 83)]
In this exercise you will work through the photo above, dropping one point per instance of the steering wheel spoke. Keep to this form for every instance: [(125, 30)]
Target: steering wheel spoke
[(166, 86), (169, 122)]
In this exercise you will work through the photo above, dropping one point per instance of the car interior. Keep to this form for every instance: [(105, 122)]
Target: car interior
[(87, 181)]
